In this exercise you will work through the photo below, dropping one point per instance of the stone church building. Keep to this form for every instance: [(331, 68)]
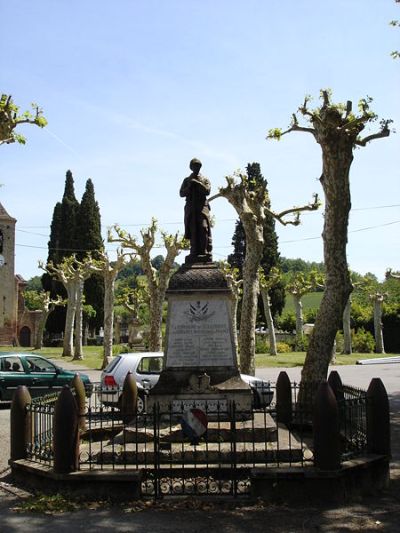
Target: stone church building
[(18, 326)]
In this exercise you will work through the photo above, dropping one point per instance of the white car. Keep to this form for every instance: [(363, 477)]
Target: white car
[(146, 368)]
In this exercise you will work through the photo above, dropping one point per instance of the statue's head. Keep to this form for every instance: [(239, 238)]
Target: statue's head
[(195, 164)]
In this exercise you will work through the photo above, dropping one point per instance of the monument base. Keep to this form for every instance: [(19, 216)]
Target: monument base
[(201, 368), (179, 390)]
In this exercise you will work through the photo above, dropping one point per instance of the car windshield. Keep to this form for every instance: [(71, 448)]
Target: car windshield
[(37, 364)]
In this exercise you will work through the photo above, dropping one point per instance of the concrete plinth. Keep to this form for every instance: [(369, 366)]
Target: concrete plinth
[(201, 367)]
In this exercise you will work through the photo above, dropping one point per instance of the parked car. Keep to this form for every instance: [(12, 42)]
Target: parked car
[(146, 368), (40, 375)]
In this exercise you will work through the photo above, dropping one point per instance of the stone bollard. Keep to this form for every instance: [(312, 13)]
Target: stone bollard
[(80, 397), (326, 429), (378, 419), (129, 399), (66, 434), (284, 408), (20, 424)]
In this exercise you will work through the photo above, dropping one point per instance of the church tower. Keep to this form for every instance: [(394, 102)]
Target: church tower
[(8, 292)]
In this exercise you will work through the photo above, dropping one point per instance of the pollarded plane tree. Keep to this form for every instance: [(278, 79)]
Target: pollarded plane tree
[(72, 274), (157, 280), (347, 341), (41, 301), (11, 118), (109, 271), (235, 283), (266, 284), (48, 305), (377, 298), (252, 207), (390, 274), (299, 284), (134, 300), (337, 129)]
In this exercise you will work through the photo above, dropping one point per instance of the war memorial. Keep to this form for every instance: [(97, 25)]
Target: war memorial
[(200, 433)]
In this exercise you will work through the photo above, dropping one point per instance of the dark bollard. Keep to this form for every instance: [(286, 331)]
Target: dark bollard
[(284, 408), (66, 434), (129, 398), (80, 397), (326, 429), (378, 418), (335, 383), (20, 424)]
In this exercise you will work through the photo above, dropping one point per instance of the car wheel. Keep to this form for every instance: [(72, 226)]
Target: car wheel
[(256, 399), (140, 404)]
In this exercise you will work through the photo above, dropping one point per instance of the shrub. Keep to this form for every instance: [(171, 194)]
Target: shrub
[(262, 345), (283, 347), (300, 345), (286, 322), (363, 341)]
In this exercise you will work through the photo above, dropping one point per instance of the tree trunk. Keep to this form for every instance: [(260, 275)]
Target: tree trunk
[(109, 282), (378, 329), (298, 306), (156, 304), (347, 349), (78, 355), (247, 337), (234, 310), (270, 322), (68, 344), (40, 330), (117, 331), (337, 158), (85, 333)]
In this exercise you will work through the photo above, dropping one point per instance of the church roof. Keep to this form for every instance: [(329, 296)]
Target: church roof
[(4, 215)]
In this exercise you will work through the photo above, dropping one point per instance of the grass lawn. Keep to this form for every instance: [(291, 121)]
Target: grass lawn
[(93, 356)]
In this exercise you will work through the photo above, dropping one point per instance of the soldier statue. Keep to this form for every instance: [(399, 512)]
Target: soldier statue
[(196, 188)]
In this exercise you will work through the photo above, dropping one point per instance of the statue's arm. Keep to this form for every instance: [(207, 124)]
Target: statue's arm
[(185, 187), (204, 184)]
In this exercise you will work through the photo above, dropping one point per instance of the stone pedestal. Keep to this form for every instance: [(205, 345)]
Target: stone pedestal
[(201, 367)]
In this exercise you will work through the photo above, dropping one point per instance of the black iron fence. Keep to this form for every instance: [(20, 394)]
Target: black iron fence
[(174, 456), (41, 414)]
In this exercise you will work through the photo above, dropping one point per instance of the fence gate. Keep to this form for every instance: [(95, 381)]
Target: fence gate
[(183, 463)]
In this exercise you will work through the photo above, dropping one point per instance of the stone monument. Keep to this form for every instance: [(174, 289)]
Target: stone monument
[(201, 367)]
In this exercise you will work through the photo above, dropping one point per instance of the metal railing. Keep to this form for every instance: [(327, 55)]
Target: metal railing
[(41, 412), (173, 462), (353, 421)]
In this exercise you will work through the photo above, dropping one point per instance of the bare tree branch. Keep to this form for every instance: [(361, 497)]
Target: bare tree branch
[(295, 211), (384, 133)]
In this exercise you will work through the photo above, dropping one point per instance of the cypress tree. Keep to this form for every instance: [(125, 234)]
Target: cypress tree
[(271, 256), (62, 244), (88, 240), (69, 211)]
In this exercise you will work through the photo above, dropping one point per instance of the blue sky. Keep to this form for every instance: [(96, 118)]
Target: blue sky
[(133, 89)]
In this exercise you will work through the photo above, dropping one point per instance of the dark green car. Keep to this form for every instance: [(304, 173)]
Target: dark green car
[(40, 375)]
